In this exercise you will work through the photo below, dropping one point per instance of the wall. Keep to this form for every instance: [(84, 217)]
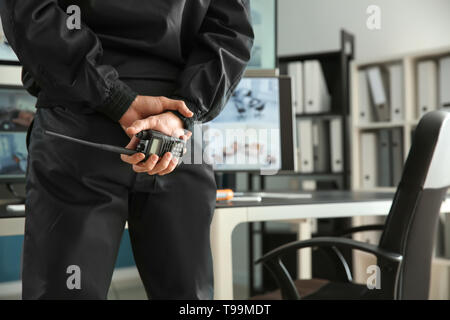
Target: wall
[(406, 25)]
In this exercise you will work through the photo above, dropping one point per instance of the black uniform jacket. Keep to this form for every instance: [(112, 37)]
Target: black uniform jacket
[(199, 47)]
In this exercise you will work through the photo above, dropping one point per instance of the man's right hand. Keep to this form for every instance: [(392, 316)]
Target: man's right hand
[(145, 106)]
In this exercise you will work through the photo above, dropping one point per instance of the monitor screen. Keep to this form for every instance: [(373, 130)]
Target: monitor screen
[(6, 52), (17, 109), (246, 134)]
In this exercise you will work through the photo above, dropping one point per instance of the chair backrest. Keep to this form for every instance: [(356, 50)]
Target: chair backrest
[(411, 224)]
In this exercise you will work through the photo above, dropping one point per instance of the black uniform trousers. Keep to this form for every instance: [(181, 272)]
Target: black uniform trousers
[(79, 199)]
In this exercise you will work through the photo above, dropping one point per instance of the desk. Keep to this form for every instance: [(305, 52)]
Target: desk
[(11, 224), (335, 204)]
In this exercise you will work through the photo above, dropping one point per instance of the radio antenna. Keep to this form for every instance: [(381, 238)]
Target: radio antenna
[(105, 147)]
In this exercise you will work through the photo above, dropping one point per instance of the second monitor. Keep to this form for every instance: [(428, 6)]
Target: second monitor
[(254, 130)]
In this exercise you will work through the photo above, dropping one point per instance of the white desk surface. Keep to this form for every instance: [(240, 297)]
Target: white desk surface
[(322, 204)]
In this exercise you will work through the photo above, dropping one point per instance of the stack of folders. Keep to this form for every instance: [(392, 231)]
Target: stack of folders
[(381, 158), (320, 145), (309, 89), (380, 93), (433, 85)]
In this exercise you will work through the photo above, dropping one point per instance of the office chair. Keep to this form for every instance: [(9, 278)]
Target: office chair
[(405, 249)]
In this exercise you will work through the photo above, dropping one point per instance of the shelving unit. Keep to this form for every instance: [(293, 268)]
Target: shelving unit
[(439, 289), (410, 121), (336, 69)]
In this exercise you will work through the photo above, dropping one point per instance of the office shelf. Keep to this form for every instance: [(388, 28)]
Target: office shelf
[(380, 125), (380, 189), (410, 121), (336, 69), (309, 175), (323, 116), (335, 65)]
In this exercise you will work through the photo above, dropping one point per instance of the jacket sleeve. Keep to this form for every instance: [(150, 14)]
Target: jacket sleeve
[(61, 62), (218, 60)]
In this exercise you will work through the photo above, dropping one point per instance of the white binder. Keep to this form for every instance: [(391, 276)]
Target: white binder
[(365, 109), (316, 96), (369, 160), (426, 87), (305, 139), (295, 71), (376, 78), (337, 161), (444, 82), (396, 92)]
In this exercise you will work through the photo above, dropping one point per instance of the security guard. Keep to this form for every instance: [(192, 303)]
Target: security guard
[(131, 65)]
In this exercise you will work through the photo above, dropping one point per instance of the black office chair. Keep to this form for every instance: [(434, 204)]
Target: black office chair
[(405, 249)]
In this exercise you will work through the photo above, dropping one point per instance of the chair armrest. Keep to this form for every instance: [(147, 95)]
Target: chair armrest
[(272, 259), (331, 242), (333, 251)]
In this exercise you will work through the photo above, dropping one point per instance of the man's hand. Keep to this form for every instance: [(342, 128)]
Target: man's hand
[(24, 118), (149, 113), (145, 106), (167, 123)]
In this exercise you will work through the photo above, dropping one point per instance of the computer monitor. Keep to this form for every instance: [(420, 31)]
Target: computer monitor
[(254, 130), (7, 55), (17, 110)]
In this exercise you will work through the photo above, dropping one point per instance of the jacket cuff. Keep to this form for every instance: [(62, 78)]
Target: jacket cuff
[(119, 100), (188, 122)]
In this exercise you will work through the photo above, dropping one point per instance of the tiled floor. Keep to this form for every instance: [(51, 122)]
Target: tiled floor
[(126, 285), (131, 293), (135, 291)]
